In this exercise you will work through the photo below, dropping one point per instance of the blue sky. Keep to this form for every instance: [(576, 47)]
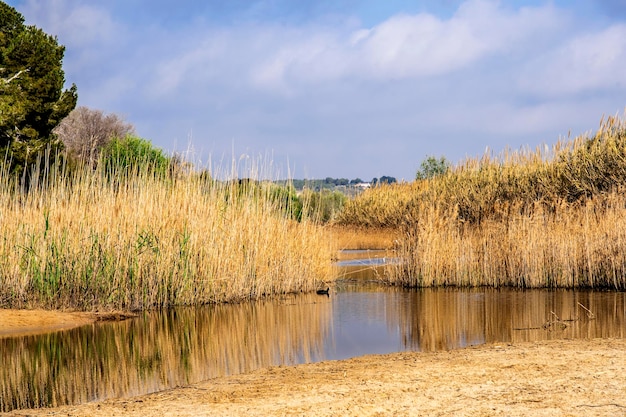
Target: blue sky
[(343, 88)]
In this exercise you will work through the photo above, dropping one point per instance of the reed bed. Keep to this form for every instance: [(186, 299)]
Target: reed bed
[(380, 207), (577, 246), (129, 239), (543, 218), (350, 237)]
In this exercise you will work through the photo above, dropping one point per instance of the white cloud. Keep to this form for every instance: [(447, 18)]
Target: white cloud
[(403, 46), (389, 93), (296, 56), (287, 60), (588, 62), (77, 25)]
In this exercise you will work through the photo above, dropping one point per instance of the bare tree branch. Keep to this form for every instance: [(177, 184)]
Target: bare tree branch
[(84, 132), (8, 80)]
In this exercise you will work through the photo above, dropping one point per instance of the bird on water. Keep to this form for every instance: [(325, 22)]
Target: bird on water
[(323, 292)]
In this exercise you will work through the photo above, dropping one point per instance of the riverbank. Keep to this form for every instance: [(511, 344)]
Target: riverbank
[(558, 377), (15, 323)]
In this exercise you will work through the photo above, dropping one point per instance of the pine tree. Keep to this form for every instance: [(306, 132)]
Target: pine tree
[(32, 99)]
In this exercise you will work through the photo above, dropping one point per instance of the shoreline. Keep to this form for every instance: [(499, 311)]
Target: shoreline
[(15, 323), (555, 378)]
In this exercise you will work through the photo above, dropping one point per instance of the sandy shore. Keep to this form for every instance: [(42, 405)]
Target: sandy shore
[(29, 322), (552, 378)]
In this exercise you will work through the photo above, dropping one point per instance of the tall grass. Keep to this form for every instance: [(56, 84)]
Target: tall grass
[(544, 218), (379, 207), (569, 245), (127, 238), (362, 238)]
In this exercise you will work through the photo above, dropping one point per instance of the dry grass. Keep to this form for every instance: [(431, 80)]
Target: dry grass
[(579, 245), (97, 240), (380, 207), (350, 237), (544, 218)]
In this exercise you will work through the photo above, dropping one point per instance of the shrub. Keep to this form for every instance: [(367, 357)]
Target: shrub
[(132, 154)]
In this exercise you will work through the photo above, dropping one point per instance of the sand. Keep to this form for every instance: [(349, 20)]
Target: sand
[(29, 322), (548, 378)]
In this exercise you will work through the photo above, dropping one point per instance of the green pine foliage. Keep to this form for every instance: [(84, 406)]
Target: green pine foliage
[(32, 99)]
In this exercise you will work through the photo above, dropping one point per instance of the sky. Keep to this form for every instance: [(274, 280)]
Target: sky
[(343, 88)]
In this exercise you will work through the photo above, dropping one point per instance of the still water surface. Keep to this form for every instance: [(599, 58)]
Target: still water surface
[(170, 348)]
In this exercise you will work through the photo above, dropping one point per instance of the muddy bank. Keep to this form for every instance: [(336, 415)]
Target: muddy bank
[(551, 378)]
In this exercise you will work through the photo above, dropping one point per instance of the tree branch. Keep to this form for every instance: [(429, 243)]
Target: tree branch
[(8, 80)]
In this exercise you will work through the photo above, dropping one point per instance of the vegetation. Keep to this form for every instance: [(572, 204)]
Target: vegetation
[(347, 186), (32, 99), (323, 205), (363, 238), (122, 156), (527, 219), (85, 132), (432, 167), (83, 241), (327, 183), (378, 207), (383, 180), (114, 222)]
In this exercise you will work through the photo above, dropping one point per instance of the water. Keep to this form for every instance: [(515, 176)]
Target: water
[(170, 348)]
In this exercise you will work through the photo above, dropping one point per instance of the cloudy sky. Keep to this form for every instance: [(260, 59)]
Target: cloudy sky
[(344, 88)]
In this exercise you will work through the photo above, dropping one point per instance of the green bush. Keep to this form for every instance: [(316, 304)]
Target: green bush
[(125, 156), (432, 167)]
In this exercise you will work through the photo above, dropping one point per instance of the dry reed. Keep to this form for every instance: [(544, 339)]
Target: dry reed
[(544, 218), (350, 237), (134, 240), (379, 207)]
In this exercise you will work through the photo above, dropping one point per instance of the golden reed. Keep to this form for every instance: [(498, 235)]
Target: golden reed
[(100, 240), (531, 219)]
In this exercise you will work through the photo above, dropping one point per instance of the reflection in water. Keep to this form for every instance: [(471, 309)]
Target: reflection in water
[(175, 347), (436, 319), (160, 350), (370, 318)]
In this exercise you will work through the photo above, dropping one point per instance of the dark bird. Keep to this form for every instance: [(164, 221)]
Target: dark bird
[(323, 292)]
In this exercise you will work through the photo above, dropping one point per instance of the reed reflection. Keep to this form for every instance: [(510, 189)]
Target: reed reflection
[(160, 350), (168, 348), (441, 319)]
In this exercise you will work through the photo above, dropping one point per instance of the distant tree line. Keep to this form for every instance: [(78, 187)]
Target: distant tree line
[(330, 183), (383, 180)]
